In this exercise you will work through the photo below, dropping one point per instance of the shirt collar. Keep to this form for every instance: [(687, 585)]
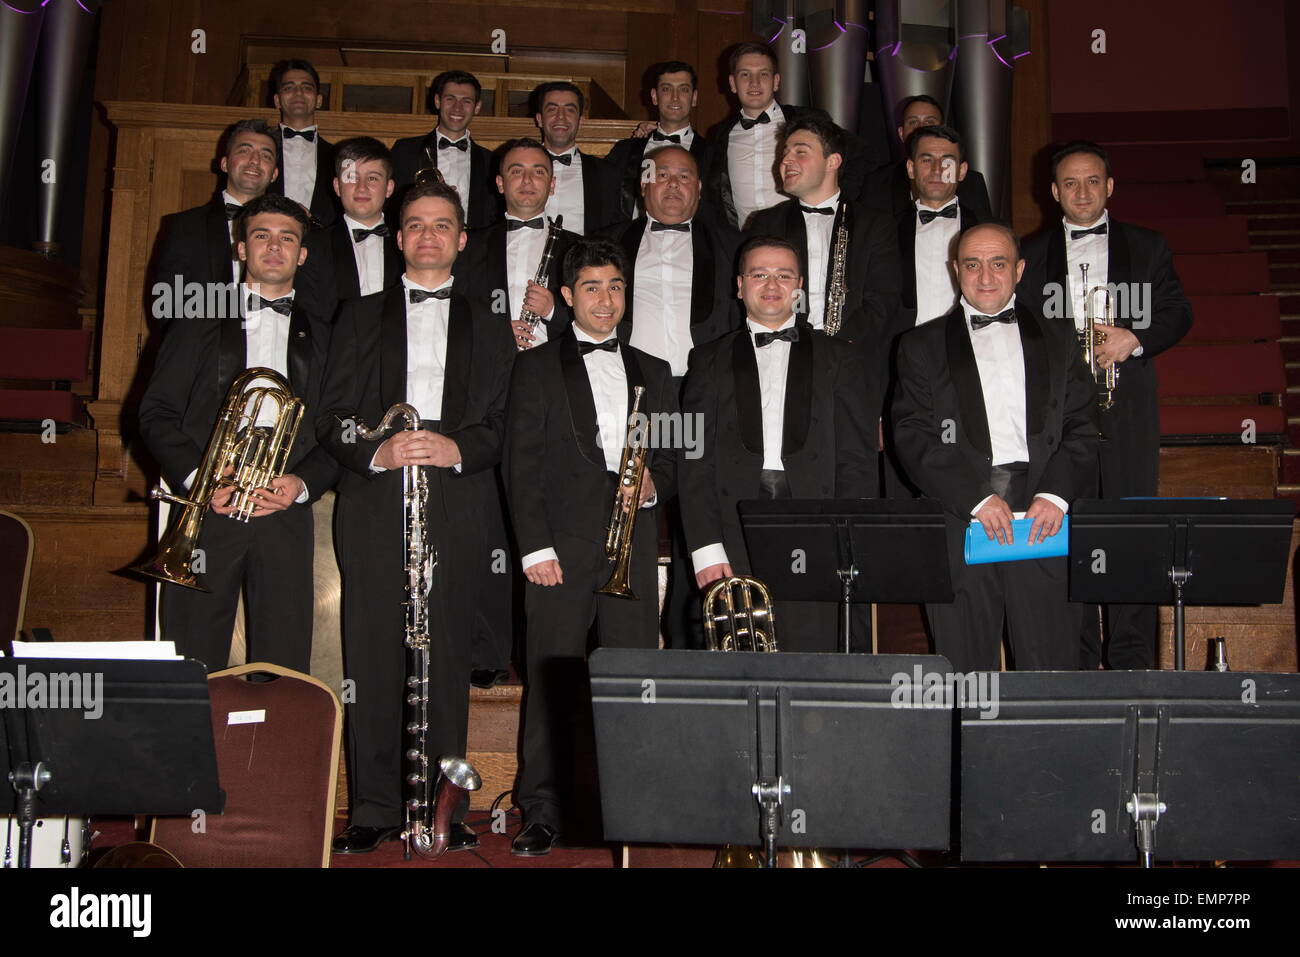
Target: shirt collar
[(684, 132), (286, 126), (921, 206), (1103, 218), (248, 290), (756, 327), (830, 202), (353, 224), (773, 110), (226, 197), (444, 136), (583, 336), (650, 219), (571, 151), (411, 284), (970, 310)]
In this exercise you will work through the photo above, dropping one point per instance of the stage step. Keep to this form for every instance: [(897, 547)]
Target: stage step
[(1237, 471)]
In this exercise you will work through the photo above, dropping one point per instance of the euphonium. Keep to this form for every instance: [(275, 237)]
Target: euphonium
[(836, 289), (751, 626), (526, 315), (1091, 337), (241, 454), (631, 475), (428, 803)]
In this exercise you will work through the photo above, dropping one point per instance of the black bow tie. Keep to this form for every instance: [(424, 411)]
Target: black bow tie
[(419, 295), (762, 339), (1098, 230), (232, 210), (513, 224), (929, 215), (564, 160), (288, 134), (284, 305), (666, 137), (360, 234), (979, 322), (656, 227), (825, 210), (461, 144), (609, 345), (747, 124)]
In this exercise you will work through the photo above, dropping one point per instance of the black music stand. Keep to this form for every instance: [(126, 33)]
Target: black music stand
[(1089, 766), (150, 750), (688, 741), (849, 550), (1180, 551)]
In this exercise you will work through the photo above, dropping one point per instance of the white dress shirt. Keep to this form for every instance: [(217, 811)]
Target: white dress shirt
[(523, 254), (453, 164), (773, 362), (936, 286), (369, 257), (818, 226), (751, 157), (568, 200), (235, 265), (1095, 251), (426, 349), (661, 296), (299, 165), (1000, 359)]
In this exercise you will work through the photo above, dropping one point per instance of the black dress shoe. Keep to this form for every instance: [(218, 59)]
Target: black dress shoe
[(359, 839), (487, 677), (462, 838), (534, 840)]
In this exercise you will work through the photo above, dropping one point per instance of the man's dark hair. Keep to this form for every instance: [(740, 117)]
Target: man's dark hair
[(436, 187), (907, 101), (284, 66), (913, 144), (455, 76), (820, 125), (745, 49), (672, 66), (766, 242), (997, 224), (1079, 146), (269, 203), (541, 91), (522, 143), (588, 253), (255, 125), (361, 149)]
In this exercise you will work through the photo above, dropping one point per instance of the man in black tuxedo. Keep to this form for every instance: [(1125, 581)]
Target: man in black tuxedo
[(889, 187), (812, 156), (739, 179), (306, 159), (586, 187), (448, 147), (784, 415), (197, 245), (422, 344), (358, 255), (674, 93), (993, 415), (570, 400), (269, 557), (1153, 315)]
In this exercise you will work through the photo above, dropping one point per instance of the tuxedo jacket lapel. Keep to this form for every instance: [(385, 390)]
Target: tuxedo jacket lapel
[(798, 392), (298, 360), (495, 272), (232, 351), (582, 404), (1037, 370), (702, 266), (1119, 263), (346, 277), (749, 396), (631, 246), (1057, 266), (966, 379), (797, 233), (220, 248), (459, 358), (907, 255), (394, 264), (635, 377), (392, 349)]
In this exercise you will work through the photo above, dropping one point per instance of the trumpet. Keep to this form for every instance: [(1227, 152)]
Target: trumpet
[(618, 534), (241, 454), (526, 315), (1090, 337)]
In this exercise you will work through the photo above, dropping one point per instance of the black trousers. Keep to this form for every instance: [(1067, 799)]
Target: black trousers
[(270, 558), (559, 625), (494, 625)]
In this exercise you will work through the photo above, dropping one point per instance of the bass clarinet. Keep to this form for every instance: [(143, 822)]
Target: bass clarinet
[(427, 825), (526, 315)]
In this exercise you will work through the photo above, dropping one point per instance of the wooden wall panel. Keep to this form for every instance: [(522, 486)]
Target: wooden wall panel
[(1031, 196)]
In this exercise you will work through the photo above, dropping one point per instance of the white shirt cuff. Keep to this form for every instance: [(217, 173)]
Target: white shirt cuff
[(1056, 500), (1136, 352), (189, 480), (982, 503), (539, 556), (708, 556), (373, 466), (302, 496), (650, 502)]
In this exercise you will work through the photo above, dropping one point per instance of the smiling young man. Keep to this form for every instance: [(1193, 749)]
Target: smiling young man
[(586, 187), (994, 415), (423, 344), (457, 97), (1152, 315), (268, 558), (306, 159), (570, 400)]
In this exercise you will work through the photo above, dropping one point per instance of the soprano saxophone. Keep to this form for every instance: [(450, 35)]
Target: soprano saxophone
[(427, 827), (526, 315), (836, 289)]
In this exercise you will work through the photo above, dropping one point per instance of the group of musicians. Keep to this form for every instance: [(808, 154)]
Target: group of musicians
[(836, 332)]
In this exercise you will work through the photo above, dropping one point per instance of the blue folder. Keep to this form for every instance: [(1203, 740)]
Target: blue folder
[(981, 550)]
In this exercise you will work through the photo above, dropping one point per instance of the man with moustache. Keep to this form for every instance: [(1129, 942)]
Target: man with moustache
[(784, 416), (269, 557), (890, 187), (674, 93), (465, 165), (994, 415), (586, 187), (420, 343), (358, 255), (306, 159), (570, 400), (197, 245), (1152, 314)]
